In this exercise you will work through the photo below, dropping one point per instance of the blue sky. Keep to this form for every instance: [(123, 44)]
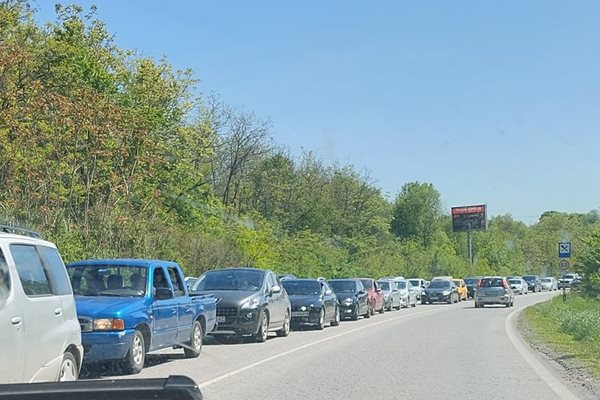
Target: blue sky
[(492, 102)]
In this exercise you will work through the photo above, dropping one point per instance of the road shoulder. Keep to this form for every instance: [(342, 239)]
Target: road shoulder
[(571, 372)]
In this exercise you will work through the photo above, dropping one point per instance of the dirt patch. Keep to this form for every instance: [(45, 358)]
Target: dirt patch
[(578, 378)]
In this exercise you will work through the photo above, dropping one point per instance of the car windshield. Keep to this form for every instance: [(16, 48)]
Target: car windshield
[(104, 280), (343, 286), (439, 284), (230, 279), (415, 282), (384, 285), (367, 283), (530, 278), (401, 285), (569, 276), (546, 280), (492, 282), (306, 288), (514, 281), (471, 281)]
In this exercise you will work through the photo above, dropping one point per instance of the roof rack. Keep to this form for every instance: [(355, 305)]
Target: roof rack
[(19, 231)]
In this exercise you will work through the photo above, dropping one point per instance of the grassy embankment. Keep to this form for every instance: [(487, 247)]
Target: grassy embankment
[(571, 327)]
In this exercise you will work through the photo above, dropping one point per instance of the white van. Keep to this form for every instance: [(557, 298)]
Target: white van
[(40, 336)]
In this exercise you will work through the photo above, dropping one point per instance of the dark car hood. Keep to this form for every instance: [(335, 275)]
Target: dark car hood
[(108, 307), (436, 290), (343, 296), (303, 300), (230, 297)]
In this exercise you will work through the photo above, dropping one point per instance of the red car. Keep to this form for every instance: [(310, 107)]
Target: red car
[(376, 300)]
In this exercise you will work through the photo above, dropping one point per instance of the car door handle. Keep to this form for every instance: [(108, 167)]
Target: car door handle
[(174, 310), (16, 321), (58, 312), (187, 309)]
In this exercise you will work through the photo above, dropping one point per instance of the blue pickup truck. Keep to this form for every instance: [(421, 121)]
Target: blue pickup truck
[(129, 307)]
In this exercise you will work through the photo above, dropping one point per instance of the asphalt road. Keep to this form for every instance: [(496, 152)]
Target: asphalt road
[(427, 352)]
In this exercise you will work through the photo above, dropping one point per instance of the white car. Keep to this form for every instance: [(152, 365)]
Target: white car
[(40, 336), (419, 285), (549, 284), (408, 294), (518, 285)]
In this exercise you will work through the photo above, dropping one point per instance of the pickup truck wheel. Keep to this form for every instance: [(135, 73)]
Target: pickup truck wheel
[(195, 344), (136, 356), (285, 329), (68, 368), (263, 329)]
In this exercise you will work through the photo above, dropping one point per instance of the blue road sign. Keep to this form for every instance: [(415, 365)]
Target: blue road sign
[(564, 249)]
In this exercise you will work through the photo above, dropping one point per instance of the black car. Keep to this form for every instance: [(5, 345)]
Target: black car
[(440, 290), (472, 283), (534, 283), (352, 298), (313, 302), (250, 302)]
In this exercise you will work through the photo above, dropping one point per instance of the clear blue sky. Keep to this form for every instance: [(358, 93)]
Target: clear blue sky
[(492, 102)]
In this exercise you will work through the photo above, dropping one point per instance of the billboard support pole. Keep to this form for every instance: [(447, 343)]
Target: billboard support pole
[(469, 230)]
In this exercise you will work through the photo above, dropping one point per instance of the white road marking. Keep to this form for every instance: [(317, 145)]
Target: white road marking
[(305, 346), (555, 384)]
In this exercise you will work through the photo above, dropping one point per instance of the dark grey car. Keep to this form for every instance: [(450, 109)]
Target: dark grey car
[(313, 302), (251, 302)]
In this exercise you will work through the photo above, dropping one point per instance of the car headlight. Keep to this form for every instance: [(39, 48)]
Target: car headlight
[(348, 301), (252, 303), (446, 293), (386, 297), (108, 324)]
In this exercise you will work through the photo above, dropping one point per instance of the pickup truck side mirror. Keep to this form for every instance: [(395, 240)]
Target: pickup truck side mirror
[(163, 293)]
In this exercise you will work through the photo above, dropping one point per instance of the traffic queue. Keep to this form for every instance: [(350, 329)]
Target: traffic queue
[(115, 311)]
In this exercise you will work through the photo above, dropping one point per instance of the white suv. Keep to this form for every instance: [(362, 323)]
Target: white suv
[(40, 337)]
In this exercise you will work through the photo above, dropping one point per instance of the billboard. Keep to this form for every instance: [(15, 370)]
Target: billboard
[(469, 218)]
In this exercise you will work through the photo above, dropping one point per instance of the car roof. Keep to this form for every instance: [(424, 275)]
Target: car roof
[(344, 279), (134, 262), (12, 237)]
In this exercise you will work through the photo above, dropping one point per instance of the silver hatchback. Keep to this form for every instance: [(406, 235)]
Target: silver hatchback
[(494, 290)]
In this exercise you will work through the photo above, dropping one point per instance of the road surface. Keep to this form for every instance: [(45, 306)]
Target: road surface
[(427, 352)]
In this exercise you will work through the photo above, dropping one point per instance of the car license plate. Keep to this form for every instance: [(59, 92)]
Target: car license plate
[(221, 319), (300, 313)]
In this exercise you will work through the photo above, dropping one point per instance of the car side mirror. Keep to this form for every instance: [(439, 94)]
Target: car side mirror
[(361, 292), (276, 289), (328, 292), (163, 293)]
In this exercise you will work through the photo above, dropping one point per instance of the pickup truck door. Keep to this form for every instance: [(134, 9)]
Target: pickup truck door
[(186, 311), (12, 333), (164, 331)]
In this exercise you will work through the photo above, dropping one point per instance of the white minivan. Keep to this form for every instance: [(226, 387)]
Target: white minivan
[(40, 336)]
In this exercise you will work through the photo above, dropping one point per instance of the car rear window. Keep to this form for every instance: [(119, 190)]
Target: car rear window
[(492, 282)]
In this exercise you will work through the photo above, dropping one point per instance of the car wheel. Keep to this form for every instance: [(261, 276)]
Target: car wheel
[(285, 329), (369, 313), (414, 304), (263, 329), (68, 368), (336, 318), (382, 310), (321, 324), (195, 345), (136, 356), (355, 315)]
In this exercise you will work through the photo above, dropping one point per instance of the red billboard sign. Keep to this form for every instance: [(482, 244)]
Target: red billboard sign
[(469, 218)]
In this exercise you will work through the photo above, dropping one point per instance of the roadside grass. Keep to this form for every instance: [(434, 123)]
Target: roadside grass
[(571, 327)]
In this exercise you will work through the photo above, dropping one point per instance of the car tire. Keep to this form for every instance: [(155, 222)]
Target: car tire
[(136, 356), (336, 319), (368, 314), (263, 329), (69, 371), (355, 315), (285, 329), (195, 345), (321, 324), (382, 310)]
